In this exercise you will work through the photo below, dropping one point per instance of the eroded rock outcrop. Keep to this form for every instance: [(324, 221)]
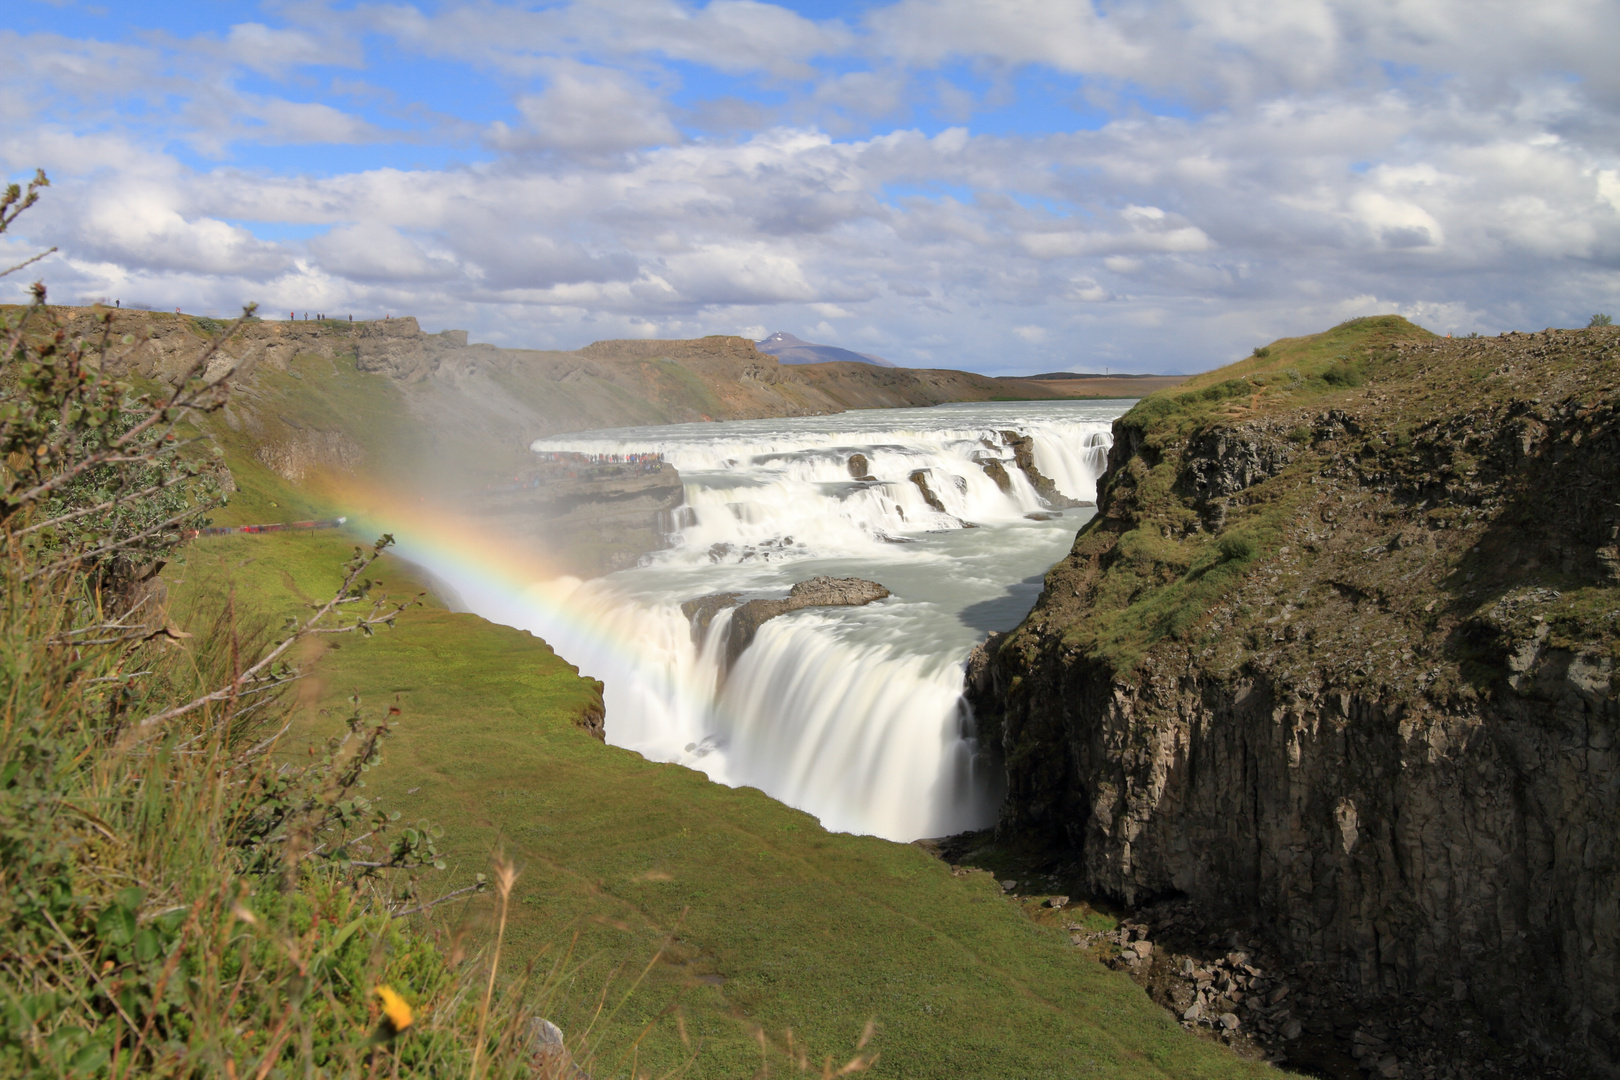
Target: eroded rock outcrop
[(1023, 448), (749, 617), (1373, 700), (591, 520)]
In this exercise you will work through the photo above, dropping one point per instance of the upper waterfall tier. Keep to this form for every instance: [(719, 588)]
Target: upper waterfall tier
[(836, 486)]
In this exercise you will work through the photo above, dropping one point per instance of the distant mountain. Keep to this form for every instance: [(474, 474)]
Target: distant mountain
[(791, 350)]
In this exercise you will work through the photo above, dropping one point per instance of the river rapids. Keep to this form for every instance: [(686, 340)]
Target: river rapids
[(853, 714)]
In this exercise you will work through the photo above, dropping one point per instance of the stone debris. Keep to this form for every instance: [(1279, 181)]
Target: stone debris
[(549, 1058), (1230, 985)]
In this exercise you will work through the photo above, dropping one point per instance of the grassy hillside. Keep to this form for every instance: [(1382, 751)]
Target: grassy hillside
[(431, 407)]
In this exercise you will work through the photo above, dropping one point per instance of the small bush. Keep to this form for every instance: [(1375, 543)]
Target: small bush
[(1599, 319), (1236, 547), (1231, 388), (1261, 352), (1344, 374)]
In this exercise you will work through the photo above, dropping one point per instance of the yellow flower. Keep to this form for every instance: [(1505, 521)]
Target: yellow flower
[(395, 1008)]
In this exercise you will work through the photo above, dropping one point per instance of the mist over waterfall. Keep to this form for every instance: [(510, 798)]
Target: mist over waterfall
[(853, 714)]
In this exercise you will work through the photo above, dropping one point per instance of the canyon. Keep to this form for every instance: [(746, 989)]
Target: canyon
[(1333, 663)]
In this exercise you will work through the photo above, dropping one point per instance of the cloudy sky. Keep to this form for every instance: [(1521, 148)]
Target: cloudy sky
[(999, 185)]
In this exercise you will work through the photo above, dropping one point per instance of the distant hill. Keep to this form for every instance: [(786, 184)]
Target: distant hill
[(791, 350), (1088, 375)]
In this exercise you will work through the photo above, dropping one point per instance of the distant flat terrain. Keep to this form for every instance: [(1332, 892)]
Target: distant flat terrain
[(1066, 384)]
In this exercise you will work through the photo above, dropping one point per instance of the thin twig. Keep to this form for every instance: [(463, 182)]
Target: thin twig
[(505, 878), (431, 904), (308, 627), (86, 965), (29, 262)]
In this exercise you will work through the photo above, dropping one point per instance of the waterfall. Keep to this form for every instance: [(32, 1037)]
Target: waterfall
[(854, 714)]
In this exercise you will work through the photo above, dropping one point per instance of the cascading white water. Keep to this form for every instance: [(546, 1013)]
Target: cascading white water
[(853, 714)]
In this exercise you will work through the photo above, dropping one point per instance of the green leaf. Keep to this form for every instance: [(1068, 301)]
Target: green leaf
[(91, 1059), (344, 934), (116, 925)]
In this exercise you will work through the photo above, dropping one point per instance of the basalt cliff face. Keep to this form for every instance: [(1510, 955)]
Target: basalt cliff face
[(1339, 650)]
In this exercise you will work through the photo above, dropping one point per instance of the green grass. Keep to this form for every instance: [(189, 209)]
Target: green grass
[(1293, 371), (776, 923), (772, 923)]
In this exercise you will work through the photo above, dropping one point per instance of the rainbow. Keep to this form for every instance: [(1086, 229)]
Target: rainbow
[(514, 585)]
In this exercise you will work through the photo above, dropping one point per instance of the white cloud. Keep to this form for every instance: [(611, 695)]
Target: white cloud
[(1034, 335), (587, 109), (274, 51), (1147, 229), (1088, 291), (372, 252), (1299, 176)]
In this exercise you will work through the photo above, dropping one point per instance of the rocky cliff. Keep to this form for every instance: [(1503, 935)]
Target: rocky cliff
[(591, 520), (1339, 650)]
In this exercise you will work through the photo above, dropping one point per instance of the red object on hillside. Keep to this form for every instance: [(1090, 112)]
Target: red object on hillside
[(283, 526)]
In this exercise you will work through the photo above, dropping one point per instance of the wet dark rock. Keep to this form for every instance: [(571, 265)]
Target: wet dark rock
[(749, 617), (1023, 448), (1228, 460), (860, 468), (1391, 739), (996, 471), (1304, 1016), (920, 478), (701, 612)]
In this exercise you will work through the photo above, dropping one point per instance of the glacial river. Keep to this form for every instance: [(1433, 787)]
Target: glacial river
[(852, 714)]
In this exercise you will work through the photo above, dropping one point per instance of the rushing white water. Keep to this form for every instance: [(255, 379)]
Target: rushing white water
[(853, 714)]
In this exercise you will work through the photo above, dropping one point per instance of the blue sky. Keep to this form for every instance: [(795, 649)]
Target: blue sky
[(998, 185)]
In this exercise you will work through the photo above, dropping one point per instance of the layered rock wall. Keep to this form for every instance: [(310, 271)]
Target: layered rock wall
[(1391, 733)]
